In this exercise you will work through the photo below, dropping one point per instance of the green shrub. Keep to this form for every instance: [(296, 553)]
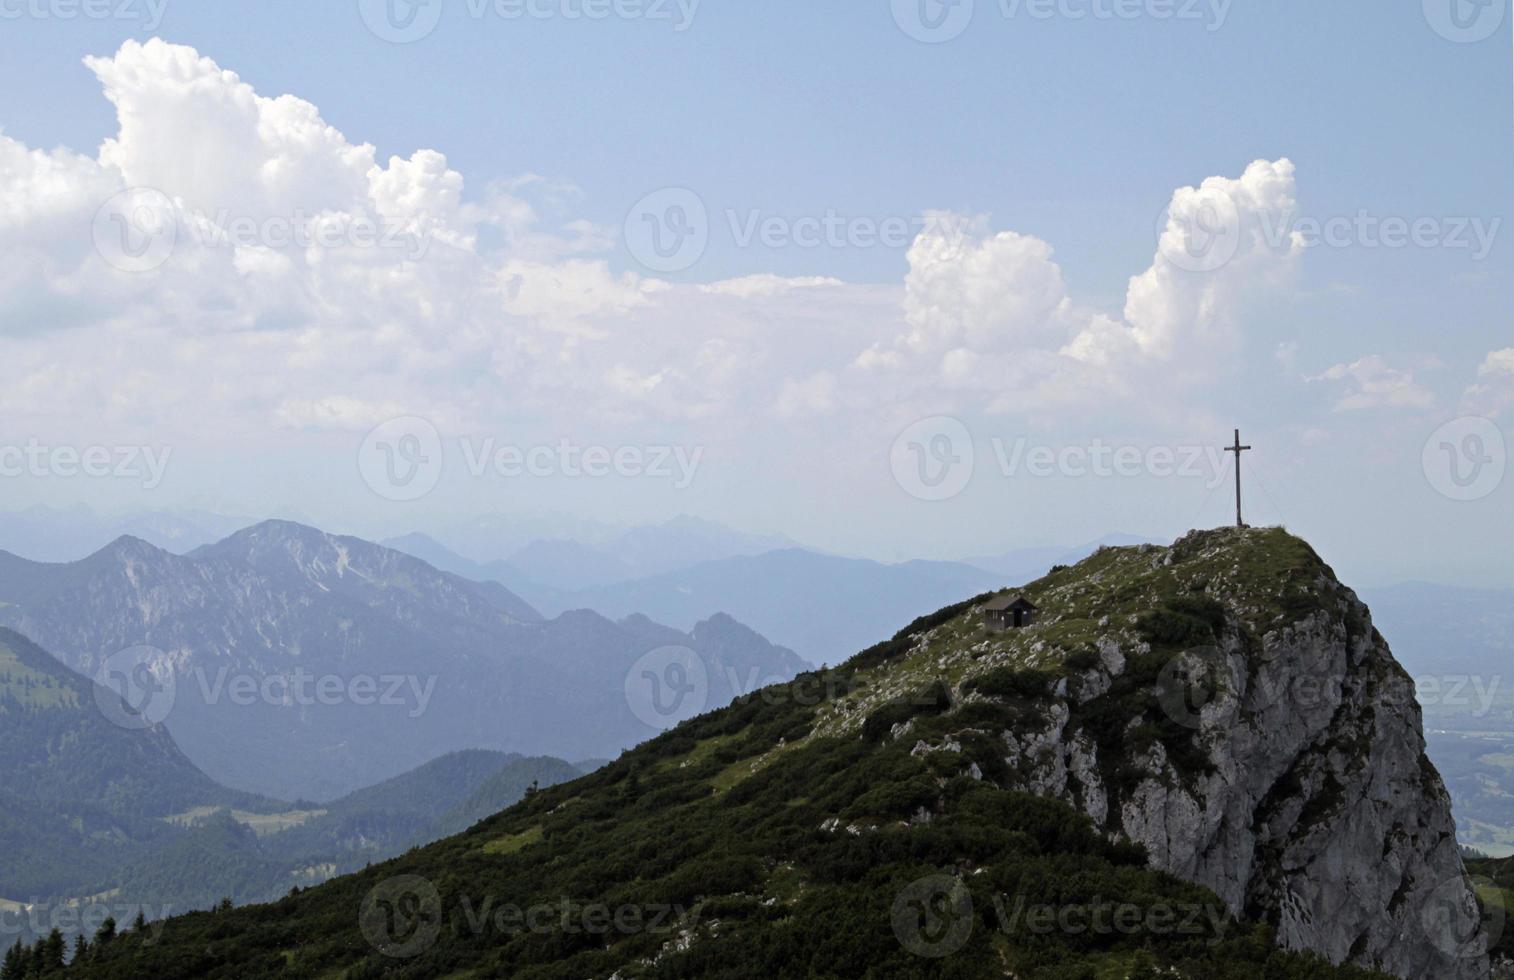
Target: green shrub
[(1010, 682)]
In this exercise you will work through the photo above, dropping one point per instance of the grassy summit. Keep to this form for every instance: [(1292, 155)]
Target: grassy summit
[(799, 833)]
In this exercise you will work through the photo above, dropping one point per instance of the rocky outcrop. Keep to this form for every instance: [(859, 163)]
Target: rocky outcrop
[(1287, 773)]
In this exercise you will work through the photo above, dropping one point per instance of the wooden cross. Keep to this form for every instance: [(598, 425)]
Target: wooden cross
[(1237, 449)]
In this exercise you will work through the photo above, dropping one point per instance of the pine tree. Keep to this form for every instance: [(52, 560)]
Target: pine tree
[(140, 922), (15, 962), (53, 951), (106, 932), (81, 949)]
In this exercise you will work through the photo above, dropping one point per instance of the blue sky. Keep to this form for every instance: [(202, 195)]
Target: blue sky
[(1070, 132)]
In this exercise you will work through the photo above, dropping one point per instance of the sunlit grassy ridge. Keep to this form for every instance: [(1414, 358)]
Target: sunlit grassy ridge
[(781, 834), (20, 685)]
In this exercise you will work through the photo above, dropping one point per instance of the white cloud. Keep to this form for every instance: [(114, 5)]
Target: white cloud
[(1493, 394), (813, 395), (1214, 254), (237, 333), (991, 312), (766, 284), (1372, 383)]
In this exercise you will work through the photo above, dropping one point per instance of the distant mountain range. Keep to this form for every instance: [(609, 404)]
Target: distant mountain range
[(821, 606), (54, 534), (550, 551), (560, 564), (304, 665)]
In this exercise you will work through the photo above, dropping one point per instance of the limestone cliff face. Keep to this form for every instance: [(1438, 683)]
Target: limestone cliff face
[(1279, 760)]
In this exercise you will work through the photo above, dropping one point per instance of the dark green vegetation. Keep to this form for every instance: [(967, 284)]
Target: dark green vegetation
[(255, 857), (78, 791), (784, 836), (120, 819)]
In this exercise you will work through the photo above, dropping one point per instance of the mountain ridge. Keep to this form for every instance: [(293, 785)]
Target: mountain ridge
[(417, 662), (872, 819)]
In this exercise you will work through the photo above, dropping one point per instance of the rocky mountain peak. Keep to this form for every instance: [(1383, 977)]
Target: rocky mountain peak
[(1226, 703)]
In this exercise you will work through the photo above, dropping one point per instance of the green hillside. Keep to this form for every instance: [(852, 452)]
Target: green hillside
[(101, 818), (791, 835), (80, 793)]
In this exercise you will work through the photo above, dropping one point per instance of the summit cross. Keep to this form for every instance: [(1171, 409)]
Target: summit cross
[(1237, 449)]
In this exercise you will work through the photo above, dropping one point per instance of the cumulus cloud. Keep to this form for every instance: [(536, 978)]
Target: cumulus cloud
[(1372, 383), (992, 313), (311, 286), (1493, 394), (1214, 252)]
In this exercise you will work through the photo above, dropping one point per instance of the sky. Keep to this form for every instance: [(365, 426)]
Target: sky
[(898, 279)]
